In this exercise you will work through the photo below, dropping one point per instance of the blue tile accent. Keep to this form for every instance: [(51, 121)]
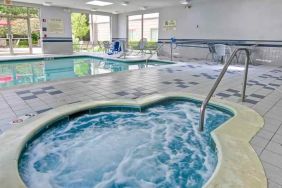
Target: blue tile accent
[(48, 88), (251, 101), (233, 90), (29, 97), (55, 92), (167, 83), (182, 86), (44, 110), (223, 95), (38, 92), (122, 93), (257, 96), (23, 92)]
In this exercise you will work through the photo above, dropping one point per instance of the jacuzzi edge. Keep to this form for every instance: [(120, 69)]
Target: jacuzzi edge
[(238, 165)]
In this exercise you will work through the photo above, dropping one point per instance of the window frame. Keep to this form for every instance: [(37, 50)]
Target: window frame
[(142, 25)]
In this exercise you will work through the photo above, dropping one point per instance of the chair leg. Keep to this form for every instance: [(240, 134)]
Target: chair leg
[(207, 57)]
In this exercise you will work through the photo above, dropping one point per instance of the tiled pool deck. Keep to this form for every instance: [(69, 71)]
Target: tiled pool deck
[(264, 94)]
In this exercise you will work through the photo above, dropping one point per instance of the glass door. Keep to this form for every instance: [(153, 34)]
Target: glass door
[(5, 37), (21, 40)]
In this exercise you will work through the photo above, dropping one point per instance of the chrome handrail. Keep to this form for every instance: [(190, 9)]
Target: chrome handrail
[(218, 80)]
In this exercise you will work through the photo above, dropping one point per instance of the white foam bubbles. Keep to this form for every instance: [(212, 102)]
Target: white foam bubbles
[(160, 147)]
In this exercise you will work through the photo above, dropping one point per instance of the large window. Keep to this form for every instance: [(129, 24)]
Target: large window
[(135, 28), (80, 31), (80, 27), (144, 26), (88, 30), (151, 27), (19, 30), (101, 28)]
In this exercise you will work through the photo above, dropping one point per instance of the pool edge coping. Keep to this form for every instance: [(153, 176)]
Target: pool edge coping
[(231, 138), (81, 55)]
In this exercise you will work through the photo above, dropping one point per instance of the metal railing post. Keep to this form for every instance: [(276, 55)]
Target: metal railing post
[(171, 52), (247, 62), (218, 80)]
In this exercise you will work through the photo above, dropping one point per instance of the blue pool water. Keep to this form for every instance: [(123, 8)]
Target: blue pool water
[(22, 72), (158, 147)]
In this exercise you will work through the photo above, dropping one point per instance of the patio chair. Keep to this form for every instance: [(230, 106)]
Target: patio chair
[(116, 47), (219, 52), (153, 47), (142, 46), (211, 52), (106, 46), (125, 50), (100, 46)]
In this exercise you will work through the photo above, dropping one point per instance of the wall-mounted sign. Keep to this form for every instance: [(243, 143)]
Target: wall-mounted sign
[(170, 25), (55, 26)]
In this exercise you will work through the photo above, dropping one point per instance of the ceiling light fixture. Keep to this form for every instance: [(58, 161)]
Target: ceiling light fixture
[(187, 3), (124, 3), (99, 3), (115, 12), (48, 4), (143, 8)]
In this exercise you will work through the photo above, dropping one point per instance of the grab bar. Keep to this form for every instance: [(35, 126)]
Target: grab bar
[(218, 80)]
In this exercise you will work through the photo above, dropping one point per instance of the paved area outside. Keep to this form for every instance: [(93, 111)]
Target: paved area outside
[(264, 94)]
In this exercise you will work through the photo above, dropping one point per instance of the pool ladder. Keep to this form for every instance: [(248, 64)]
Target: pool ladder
[(218, 80)]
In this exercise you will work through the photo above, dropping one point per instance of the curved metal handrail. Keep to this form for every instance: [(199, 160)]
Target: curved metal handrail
[(218, 80)]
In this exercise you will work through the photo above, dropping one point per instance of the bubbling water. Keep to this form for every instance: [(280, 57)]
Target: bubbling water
[(160, 147)]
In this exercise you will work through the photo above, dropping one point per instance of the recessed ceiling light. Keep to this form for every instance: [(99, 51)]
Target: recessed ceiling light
[(185, 2), (124, 3), (48, 4), (115, 12), (99, 3), (143, 8)]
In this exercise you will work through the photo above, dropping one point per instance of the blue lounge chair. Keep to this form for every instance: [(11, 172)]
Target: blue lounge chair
[(116, 48)]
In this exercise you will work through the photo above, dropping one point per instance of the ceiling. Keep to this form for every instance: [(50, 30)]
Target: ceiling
[(116, 7)]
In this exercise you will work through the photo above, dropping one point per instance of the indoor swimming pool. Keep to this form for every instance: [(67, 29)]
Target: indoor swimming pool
[(23, 72)]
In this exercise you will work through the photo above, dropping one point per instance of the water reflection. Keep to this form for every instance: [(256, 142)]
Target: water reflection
[(36, 71)]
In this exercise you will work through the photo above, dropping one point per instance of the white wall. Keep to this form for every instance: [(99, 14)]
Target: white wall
[(115, 26), (122, 25), (220, 19), (57, 43), (226, 19), (64, 44)]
